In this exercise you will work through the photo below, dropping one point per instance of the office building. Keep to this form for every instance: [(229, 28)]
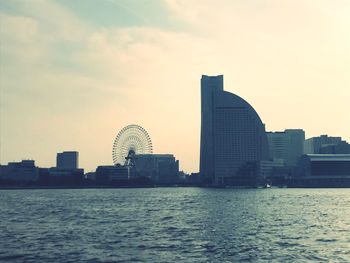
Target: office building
[(287, 146), (325, 144), (233, 138), (314, 144), (67, 160), (341, 147), (66, 171), (161, 168)]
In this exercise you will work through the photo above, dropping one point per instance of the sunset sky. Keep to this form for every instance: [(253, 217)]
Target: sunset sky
[(73, 73)]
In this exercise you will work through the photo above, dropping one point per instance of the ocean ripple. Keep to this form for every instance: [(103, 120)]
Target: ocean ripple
[(175, 225)]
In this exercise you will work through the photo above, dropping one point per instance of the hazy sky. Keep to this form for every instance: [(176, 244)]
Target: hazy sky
[(73, 73)]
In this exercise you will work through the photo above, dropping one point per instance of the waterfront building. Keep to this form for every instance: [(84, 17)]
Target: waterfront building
[(64, 172), (65, 176), (161, 168), (266, 167), (278, 145), (340, 148), (287, 146), (90, 176), (313, 145), (233, 138), (107, 174), (146, 168), (324, 170), (24, 171), (275, 172), (67, 159)]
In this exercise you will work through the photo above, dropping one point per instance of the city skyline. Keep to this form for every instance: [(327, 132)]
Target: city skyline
[(71, 77)]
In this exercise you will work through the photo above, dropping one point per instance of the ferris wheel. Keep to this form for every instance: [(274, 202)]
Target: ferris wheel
[(131, 140)]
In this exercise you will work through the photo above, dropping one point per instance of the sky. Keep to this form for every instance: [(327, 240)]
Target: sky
[(74, 73)]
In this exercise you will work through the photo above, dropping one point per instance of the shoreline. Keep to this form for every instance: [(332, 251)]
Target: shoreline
[(160, 186)]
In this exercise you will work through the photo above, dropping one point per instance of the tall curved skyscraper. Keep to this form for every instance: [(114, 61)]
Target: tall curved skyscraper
[(233, 138)]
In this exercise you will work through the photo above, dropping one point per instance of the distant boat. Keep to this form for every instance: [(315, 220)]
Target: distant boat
[(267, 186)]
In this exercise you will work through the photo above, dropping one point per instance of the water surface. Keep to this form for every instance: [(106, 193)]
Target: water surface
[(175, 225)]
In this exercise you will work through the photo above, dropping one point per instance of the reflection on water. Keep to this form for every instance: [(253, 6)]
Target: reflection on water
[(175, 224)]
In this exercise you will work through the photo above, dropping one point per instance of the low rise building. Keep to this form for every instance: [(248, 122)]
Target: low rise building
[(107, 174), (90, 176), (323, 170), (24, 171), (65, 176), (55, 171)]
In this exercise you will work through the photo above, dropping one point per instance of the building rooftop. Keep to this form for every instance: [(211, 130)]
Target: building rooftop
[(154, 155), (329, 157)]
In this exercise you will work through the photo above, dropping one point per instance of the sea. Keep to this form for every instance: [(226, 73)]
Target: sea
[(178, 224)]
